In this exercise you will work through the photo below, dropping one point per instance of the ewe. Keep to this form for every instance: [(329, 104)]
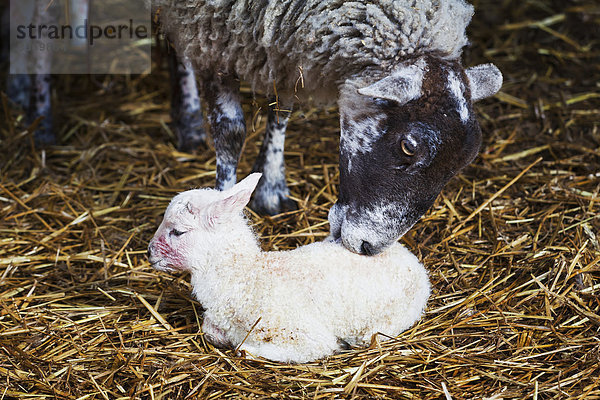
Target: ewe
[(407, 122)]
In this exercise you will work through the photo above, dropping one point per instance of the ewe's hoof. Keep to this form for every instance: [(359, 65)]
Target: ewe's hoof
[(190, 134), (44, 134), (189, 142), (272, 199)]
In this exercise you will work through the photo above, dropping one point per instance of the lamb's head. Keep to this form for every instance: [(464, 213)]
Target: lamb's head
[(197, 224), (402, 138)]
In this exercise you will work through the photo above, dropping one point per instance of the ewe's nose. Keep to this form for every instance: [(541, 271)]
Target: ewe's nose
[(367, 249)]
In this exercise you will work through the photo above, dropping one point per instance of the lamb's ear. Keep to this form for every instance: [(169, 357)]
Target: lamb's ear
[(247, 185), (234, 201), (402, 86), (484, 80)]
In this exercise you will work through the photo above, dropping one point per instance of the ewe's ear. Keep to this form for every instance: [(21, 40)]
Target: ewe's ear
[(234, 201), (402, 86), (485, 80)]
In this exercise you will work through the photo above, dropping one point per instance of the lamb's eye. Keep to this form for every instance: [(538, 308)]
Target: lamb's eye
[(175, 232), (408, 148)]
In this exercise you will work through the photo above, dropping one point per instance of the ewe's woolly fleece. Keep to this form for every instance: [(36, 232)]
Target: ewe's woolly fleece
[(271, 41)]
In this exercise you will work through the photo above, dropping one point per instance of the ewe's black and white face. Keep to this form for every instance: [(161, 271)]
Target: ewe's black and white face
[(402, 139)]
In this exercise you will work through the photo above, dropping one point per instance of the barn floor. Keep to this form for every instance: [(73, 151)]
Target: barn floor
[(512, 244)]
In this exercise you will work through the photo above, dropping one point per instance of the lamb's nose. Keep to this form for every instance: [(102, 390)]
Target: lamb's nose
[(366, 248), (150, 250)]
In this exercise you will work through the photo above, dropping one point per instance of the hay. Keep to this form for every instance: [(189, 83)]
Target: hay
[(511, 244)]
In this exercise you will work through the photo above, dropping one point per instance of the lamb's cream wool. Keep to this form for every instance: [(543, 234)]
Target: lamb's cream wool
[(309, 302)]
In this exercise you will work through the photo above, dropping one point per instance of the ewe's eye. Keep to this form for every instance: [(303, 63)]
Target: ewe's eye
[(175, 232), (408, 148), (383, 102)]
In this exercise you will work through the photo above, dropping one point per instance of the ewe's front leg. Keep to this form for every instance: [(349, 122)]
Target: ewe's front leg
[(39, 85), (31, 92), (228, 126), (271, 195), (186, 110), (40, 105), (18, 89)]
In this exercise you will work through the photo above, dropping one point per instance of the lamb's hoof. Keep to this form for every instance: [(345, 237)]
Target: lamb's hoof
[(190, 134), (272, 199)]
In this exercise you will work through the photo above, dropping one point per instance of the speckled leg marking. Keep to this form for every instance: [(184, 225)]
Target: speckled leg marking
[(32, 92), (271, 195), (39, 91), (17, 85), (228, 126), (18, 88), (186, 110), (40, 105)]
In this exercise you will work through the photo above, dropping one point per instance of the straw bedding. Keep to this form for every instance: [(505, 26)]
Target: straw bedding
[(511, 244)]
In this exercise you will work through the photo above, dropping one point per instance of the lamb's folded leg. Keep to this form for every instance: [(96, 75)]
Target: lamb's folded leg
[(186, 110), (228, 125), (213, 334), (272, 194), (306, 346)]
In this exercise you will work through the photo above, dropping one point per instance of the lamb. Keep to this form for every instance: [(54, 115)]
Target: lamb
[(393, 67), (289, 306)]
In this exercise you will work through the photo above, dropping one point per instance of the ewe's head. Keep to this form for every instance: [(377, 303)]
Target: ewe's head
[(402, 138), (196, 222)]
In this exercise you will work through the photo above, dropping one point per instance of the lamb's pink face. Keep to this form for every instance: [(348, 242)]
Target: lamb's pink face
[(192, 219), (170, 247), (166, 252)]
